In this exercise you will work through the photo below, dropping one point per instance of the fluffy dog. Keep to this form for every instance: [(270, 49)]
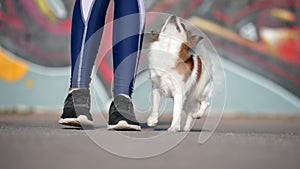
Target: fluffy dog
[(177, 72)]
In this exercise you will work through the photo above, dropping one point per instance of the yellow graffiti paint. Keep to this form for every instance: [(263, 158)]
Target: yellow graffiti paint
[(283, 14), (46, 10), (11, 70), (29, 84)]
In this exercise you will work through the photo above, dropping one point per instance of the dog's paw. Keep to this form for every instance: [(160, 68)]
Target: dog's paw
[(197, 115), (152, 120), (186, 129), (174, 129), (152, 123)]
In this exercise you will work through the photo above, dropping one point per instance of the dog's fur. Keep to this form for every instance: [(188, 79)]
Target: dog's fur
[(176, 72)]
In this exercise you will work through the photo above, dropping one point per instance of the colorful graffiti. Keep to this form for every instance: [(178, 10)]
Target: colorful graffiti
[(263, 36), (37, 31), (260, 35)]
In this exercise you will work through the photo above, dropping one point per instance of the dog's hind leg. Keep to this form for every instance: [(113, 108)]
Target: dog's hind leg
[(201, 111), (188, 122), (153, 118), (204, 101), (191, 106)]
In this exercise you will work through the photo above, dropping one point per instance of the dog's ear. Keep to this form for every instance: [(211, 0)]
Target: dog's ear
[(193, 40), (154, 35)]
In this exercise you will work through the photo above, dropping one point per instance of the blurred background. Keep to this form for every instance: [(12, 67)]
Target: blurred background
[(258, 41)]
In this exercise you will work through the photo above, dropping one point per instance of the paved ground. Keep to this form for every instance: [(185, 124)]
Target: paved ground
[(38, 142)]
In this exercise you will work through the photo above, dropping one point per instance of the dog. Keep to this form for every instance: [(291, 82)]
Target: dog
[(177, 72)]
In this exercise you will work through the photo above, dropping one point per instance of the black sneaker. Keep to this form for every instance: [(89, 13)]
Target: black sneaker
[(121, 115), (76, 110)]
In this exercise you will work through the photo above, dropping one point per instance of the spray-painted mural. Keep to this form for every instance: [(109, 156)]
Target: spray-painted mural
[(262, 36), (37, 31)]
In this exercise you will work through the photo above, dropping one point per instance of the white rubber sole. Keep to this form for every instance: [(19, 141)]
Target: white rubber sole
[(123, 125), (80, 121)]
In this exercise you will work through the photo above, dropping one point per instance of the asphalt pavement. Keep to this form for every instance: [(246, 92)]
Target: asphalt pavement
[(36, 141)]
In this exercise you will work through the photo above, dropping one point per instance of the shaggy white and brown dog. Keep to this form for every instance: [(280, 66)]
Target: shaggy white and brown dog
[(177, 72)]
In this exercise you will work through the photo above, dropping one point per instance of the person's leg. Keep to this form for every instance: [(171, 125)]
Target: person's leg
[(129, 20), (88, 19), (127, 38)]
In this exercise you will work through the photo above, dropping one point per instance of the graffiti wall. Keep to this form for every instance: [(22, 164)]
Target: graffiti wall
[(258, 36), (261, 35)]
